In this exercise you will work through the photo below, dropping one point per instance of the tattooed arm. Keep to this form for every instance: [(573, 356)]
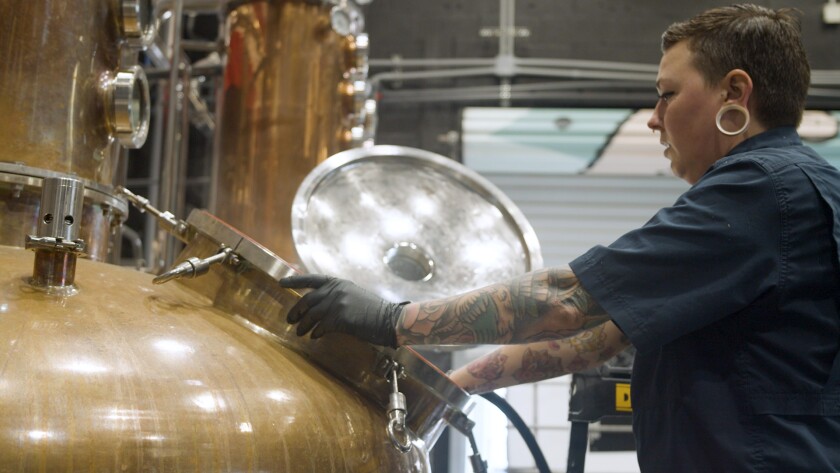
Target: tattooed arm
[(541, 305), (517, 364)]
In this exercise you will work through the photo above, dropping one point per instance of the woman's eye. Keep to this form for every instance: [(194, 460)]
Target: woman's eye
[(666, 96)]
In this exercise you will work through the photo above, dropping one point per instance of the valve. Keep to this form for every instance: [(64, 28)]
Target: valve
[(57, 243), (397, 430)]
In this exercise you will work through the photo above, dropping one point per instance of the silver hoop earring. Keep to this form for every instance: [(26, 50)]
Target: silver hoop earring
[(726, 108)]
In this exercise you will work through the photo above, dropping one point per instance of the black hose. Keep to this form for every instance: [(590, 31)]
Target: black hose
[(524, 431)]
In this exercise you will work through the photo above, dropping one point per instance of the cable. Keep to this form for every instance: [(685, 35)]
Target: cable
[(524, 431)]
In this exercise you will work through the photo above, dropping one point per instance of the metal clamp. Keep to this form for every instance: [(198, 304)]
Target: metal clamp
[(62, 200), (34, 242), (397, 430)]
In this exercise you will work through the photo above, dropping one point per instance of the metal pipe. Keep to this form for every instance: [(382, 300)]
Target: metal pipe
[(399, 76), (201, 46), (153, 182), (587, 64), (199, 6), (430, 62), (516, 71), (133, 237), (195, 71), (580, 74), (491, 93), (506, 27), (174, 134)]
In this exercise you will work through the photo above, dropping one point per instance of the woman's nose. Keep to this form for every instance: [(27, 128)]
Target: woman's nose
[(654, 123)]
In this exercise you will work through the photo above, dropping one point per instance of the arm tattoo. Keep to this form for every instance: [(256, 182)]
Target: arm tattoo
[(541, 305), (488, 368), (538, 365), (510, 365)]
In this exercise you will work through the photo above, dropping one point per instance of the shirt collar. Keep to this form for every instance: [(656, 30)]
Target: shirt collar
[(773, 138)]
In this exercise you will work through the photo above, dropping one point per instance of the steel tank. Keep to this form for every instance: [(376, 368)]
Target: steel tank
[(70, 105), (294, 93)]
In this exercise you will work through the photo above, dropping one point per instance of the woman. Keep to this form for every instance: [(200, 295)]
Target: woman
[(731, 296)]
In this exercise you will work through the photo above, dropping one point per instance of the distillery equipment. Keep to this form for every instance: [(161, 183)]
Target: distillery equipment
[(110, 369), (409, 224), (71, 105), (294, 93), (201, 373)]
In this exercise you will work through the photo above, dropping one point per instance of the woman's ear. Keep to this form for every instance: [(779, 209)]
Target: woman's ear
[(738, 86)]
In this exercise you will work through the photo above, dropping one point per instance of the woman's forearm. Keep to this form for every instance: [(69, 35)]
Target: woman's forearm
[(542, 305), (517, 364)]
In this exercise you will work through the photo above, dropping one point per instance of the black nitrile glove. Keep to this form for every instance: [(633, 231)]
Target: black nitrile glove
[(338, 305)]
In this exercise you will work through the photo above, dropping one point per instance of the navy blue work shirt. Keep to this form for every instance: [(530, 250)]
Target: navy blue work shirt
[(732, 299)]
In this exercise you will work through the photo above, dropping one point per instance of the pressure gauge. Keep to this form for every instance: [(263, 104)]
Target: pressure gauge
[(347, 19), (340, 20)]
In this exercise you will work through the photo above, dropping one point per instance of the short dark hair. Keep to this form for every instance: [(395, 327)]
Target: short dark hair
[(763, 42)]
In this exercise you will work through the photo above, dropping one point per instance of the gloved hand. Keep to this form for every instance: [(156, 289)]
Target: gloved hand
[(338, 305)]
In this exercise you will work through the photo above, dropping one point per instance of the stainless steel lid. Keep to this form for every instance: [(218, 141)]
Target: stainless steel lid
[(409, 224)]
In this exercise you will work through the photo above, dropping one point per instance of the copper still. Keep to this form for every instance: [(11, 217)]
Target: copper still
[(294, 94), (70, 104), (107, 369), (201, 374)]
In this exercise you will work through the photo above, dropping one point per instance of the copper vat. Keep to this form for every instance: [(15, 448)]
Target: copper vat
[(104, 370), (130, 376), (293, 90)]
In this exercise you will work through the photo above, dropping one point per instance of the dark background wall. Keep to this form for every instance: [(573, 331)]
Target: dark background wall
[(603, 30)]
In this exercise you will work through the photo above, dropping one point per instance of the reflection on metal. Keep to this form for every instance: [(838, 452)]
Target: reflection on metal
[(410, 262), (160, 378), (105, 368), (194, 267), (397, 430), (409, 224), (54, 76), (249, 289), (138, 22), (130, 107), (346, 19), (20, 202), (69, 103), (57, 242), (293, 90)]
